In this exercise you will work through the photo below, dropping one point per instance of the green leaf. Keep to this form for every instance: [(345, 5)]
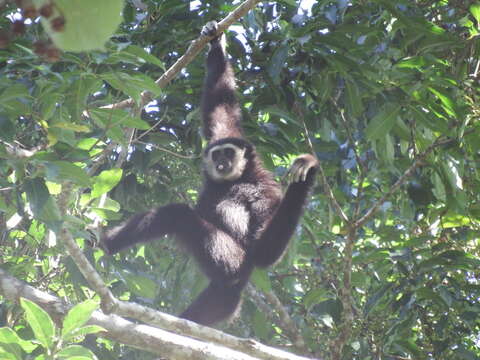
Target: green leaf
[(8, 336), (142, 54), (88, 23), (376, 298), (77, 317), (283, 115), (85, 330), (76, 352), (261, 325), (41, 203), (132, 85), (14, 92), (10, 352), (40, 322), (354, 99), (429, 121), (37, 194), (429, 294), (447, 102), (261, 280), (415, 62), (475, 11), (277, 63), (79, 92), (140, 285), (60, 171), (383, 122), (106, 181), (108, 118), (314, 297), (439, 188)]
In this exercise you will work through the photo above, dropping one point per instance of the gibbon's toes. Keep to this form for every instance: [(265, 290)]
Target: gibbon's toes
[(301, 166), (210, 28)]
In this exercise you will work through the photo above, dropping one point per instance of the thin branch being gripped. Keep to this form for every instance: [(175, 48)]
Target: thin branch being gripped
[(195, 47)]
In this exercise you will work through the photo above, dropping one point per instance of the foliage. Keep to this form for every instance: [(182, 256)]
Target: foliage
[(53, 343), (375, 83)]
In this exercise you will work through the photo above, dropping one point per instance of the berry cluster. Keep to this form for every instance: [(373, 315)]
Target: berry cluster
[(48, 11)]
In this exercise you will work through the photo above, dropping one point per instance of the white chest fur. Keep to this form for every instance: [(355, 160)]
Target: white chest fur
[(235, 216)]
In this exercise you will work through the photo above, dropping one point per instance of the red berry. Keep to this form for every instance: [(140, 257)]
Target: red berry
[(18, 27), (52, 54), (40, 47), (29, 12), (4, 39), (58, 24), (46, 10)]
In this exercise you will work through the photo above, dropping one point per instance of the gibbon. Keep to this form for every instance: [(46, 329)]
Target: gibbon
[(241, 220)]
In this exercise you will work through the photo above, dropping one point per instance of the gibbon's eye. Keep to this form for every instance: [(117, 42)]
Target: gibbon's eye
[(229, 153), (216, 154)]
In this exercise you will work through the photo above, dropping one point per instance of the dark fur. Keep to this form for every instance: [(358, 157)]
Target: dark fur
[(236, 225)]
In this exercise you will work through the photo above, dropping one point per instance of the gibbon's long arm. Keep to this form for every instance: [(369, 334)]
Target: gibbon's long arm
[(178, 219), (220, 108), (274, 239)]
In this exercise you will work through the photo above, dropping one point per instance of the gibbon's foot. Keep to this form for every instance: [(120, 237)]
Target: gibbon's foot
[(301, 167)]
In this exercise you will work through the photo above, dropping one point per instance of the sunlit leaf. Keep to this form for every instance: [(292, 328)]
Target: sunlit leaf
[(40, 322), (383, 122), (106, 181), (77, 317)]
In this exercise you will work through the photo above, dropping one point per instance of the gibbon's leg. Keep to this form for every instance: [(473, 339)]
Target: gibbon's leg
[(220, 109), (274, 239), (177, 219), (217, 302)]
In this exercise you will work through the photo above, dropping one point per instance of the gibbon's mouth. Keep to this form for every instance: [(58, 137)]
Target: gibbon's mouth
[(223, 168)]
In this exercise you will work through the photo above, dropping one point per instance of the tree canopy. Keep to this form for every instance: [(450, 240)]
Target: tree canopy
[(385, 264)]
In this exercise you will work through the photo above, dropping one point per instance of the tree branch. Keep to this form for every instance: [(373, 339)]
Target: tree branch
[(148, 338), (418, 162), (195, 47)]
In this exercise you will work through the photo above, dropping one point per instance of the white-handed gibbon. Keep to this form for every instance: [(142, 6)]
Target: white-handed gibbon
[(241, 220)]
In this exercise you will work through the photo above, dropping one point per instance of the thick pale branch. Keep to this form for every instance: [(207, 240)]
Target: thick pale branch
[(144, 337)]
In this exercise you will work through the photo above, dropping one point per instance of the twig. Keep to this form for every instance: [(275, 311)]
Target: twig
[(331, 195), (189, 157), (409, 172), (361, 165)]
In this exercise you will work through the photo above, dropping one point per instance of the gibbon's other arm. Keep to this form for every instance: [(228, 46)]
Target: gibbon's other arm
[(274, 239), (177, 219), (220, 108)]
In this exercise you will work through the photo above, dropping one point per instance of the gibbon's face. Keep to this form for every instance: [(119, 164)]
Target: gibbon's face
[(225, 162)]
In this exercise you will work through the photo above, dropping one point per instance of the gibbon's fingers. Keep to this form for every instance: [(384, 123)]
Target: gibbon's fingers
[(301, 165), (306, 168), (299, 170), (294, 173)]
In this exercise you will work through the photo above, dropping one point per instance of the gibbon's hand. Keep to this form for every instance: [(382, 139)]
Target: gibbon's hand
[(95, 238), (301, 167), (210, 28)]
